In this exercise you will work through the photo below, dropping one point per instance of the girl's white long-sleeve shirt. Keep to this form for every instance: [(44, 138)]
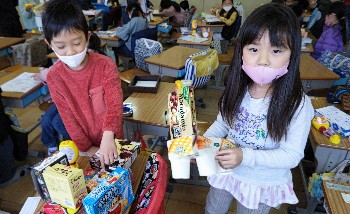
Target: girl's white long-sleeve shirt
[(266, 163)]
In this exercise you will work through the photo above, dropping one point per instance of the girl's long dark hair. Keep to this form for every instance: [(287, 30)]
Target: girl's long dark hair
[(284, 31), (338, 8)]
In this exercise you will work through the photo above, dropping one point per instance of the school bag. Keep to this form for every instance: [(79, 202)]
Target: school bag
[(151, 192), (144, 49), (200, 66)]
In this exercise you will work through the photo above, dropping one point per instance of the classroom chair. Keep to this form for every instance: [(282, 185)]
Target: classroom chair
[(148, 33), (31, 53)]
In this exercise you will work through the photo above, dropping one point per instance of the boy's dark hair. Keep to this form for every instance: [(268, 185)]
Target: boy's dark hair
[(135, 8), (338, 8), (63, 15), (283, 28), (166, 4), (278, 1)]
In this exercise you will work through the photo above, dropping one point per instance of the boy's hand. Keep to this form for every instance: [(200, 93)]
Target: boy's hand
[(108, 149), (92, 151), (229, 158)]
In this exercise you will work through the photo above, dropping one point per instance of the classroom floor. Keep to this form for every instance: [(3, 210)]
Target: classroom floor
[(184, 199)]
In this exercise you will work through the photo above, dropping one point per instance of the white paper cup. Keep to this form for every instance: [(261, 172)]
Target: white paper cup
[(180, 168), (206, 162), (206, 165)]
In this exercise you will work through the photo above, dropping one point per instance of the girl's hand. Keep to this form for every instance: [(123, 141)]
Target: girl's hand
[(229, 158), (108, 149)]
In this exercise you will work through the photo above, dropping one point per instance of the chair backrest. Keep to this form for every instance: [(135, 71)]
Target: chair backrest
[(148, 33)]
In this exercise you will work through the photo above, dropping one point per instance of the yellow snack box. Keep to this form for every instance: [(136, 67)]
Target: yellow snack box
[(66, 185)]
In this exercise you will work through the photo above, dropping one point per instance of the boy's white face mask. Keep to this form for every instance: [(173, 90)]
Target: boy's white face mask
[(74, 60), (227, 8)]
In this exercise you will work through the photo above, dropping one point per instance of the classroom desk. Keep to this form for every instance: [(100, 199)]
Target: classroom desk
[(157, 20), (18, 99), (213, 28), (328, 155), (315, 75), (6, 42), (111, 41), (137, 168), (170, 62), (334, 199), (149, 112), (201, 45)]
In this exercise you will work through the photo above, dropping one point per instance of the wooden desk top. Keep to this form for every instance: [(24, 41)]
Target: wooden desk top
[(10, 76), (150, 108), (6, 42), (158, 20), (311, 69), (205, 43), (174, 57), (202, 23), (335, 201), (319, 138), (137, 167)]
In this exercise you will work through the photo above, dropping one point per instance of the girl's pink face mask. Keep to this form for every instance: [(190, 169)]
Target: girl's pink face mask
[(263, 75)]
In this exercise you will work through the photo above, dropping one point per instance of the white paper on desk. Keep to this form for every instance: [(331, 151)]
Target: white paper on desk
[(194, 39), (346, 197), (22, 83), (337, 118), (146, 83), (30, 205)]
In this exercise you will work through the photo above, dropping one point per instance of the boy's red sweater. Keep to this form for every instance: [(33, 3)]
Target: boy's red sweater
[(89, 100)]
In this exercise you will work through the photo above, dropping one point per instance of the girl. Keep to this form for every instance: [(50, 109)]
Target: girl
[(264, 110), (333, 36), (228, 14), (26, 10), (315, 23), (137, 23)]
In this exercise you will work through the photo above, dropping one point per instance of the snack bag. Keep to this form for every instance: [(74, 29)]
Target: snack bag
[(182, 146)]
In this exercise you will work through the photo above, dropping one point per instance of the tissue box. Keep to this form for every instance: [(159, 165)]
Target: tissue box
[(164, 28), (37, 170), (113, 195), (127, 152), (66, 185), (339, 120)]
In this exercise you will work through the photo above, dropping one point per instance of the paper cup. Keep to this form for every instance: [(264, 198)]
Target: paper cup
[(180, 168), (206, 162), (206, 165)]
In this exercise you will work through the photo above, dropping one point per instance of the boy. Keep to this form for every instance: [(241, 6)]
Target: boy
[(85, 86)]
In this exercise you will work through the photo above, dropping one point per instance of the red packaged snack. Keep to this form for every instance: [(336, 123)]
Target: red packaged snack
[(53, 208)]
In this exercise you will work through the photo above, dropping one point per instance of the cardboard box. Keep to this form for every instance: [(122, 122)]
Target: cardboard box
[(181, 110), (37, 170), (127, 153), (113, 195), (66, 185)]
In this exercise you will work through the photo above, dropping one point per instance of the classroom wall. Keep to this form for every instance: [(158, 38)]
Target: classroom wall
[(205, 5)]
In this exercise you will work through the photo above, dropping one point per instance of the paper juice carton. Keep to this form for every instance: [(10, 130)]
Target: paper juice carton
[(113, 195), (66, 185), (127, 153), (37, 170)]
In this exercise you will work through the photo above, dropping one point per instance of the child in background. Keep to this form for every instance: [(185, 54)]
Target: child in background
[(137, 23), (173, 10), (85, 86), (315, 23), (27, 14), (227, 14), (265, 112), (333, 36)]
